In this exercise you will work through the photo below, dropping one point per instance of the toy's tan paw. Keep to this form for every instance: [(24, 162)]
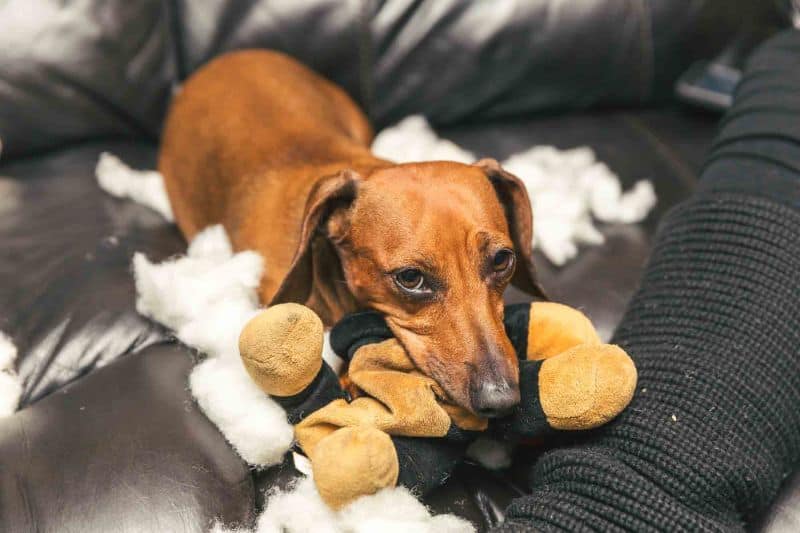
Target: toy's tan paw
[(586, 386), (555, 328), (281, 348), (354, 461)]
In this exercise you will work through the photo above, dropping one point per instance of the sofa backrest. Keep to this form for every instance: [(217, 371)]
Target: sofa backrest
[(80, 69), (73, 70)]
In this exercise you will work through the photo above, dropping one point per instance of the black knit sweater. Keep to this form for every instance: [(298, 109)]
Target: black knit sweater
[(714, 427)]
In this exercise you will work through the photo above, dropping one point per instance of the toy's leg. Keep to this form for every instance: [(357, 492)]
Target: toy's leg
[(569, 379), (581, 388), (353, 461), (349, 445), (356, 461), (544, 329), (281, 348)]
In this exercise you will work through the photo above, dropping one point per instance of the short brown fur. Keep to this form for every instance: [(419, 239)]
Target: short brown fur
[(280, 157)]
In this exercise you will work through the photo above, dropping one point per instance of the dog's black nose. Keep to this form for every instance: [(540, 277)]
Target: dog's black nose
[(494, 399)]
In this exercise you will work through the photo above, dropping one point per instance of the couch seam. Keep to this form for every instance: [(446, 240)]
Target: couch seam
[(678, 165), (174, 37), (646, 34), (366, 58)]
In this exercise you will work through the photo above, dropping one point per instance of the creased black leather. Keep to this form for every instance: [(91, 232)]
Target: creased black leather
[(76, 70), (81, 70), (123, 450), (323, 34), (66, 289), (458, 60)]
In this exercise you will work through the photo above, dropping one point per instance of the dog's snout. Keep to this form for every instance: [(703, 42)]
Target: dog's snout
[(492, 399)]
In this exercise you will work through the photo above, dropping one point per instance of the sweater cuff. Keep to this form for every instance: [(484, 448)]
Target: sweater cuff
[(590, 489), (713, 428)]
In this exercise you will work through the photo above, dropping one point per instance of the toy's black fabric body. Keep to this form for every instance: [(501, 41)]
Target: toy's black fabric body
[(323, 390), (526, 421), (425, 463)]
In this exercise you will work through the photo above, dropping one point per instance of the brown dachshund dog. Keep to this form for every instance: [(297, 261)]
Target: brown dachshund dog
[(280, 157)]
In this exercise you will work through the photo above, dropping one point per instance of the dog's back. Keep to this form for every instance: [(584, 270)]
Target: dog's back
[(254, 122)]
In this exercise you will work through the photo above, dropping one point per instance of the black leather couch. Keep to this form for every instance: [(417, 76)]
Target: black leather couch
[(107, 437)]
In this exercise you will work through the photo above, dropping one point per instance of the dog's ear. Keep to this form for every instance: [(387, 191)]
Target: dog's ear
[(315, 266), (514, 197)]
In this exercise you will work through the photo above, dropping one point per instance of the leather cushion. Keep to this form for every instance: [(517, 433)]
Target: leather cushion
[(66, 73), (80, 70), (122, 450), (66, 289), (459, 60)]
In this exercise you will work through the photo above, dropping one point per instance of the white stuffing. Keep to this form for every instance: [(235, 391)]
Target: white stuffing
[(329, 356), (206, 298), (144, 187), (413, 139), (300, 510), (10, 384), (567, 187), (255, 425)]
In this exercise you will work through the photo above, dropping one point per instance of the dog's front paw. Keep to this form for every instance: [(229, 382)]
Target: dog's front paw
[(281, 348)]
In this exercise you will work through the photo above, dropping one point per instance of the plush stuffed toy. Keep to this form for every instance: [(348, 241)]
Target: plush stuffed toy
[(393, 425)]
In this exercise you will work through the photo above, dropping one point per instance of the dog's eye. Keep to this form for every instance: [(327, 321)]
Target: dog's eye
[(410, 279), (503, 260)]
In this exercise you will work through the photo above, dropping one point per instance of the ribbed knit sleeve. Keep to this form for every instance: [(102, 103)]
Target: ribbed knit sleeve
[(714, 329), (715, 424)]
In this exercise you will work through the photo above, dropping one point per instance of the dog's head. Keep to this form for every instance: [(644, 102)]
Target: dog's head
[(432, 246)]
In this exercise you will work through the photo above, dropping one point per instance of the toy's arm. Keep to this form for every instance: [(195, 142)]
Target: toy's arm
[(540, 330), (361, 446), (281, 349), (569, 379)]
